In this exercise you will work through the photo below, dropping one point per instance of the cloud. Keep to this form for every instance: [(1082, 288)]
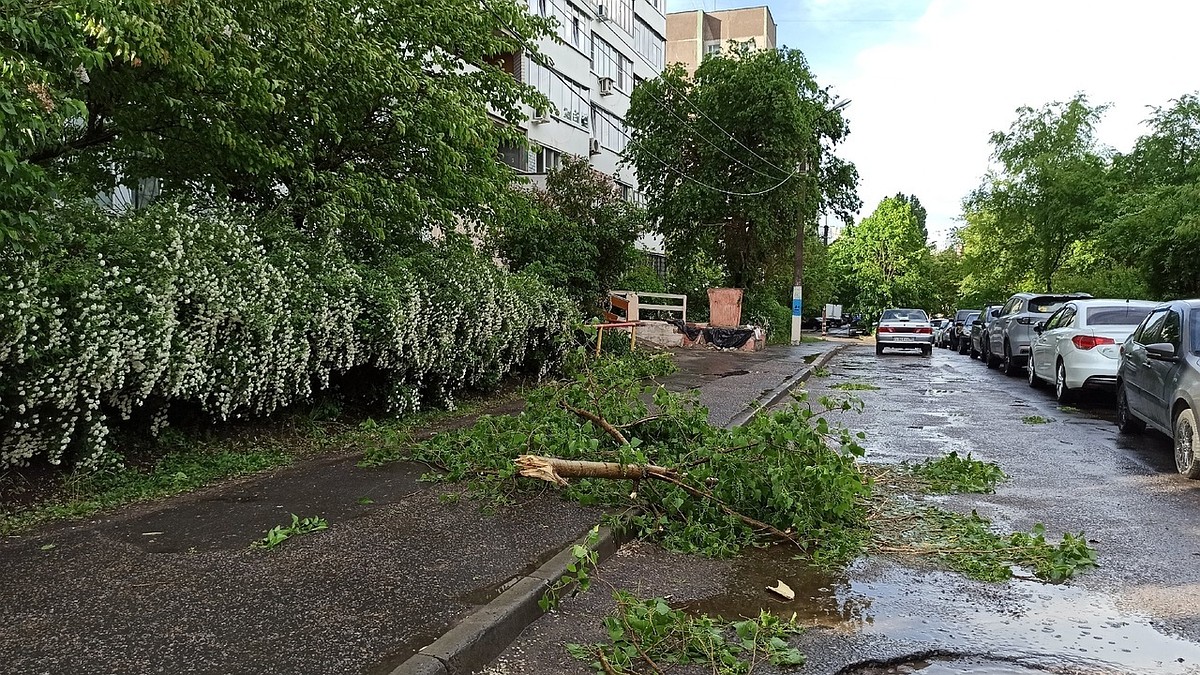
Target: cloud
[(926, 98)]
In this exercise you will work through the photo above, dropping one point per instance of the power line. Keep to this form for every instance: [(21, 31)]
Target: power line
[(568, 85), (676, 92)]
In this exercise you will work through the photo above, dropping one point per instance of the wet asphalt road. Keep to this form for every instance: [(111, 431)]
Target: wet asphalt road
[(1139, 612)]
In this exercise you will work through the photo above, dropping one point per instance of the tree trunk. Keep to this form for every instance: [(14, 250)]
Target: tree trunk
[(557, 471)]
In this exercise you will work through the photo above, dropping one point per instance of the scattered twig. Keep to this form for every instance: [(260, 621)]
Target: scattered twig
[(598, 421)]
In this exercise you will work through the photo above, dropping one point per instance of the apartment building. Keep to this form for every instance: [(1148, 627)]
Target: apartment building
[(695, 34), (604, 49)]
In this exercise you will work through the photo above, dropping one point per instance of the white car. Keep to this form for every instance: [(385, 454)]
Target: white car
[(1079, 346), (904, 328)]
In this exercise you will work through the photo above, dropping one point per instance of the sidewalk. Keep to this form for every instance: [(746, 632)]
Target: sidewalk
[(173, 586), (729, 381)]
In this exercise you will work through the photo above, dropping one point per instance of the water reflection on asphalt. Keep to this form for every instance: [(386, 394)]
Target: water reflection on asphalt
[(1057, 627)]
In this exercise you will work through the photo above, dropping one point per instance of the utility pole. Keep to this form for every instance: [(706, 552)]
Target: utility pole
[(798, 262), (798, 270), (826, 229)]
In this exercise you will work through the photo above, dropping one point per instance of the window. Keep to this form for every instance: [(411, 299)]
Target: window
[(712, 47), (1047, 304), (548, 159), (515, 156), (1170, 331), (904, 315), (1056, 319), (1116, 315), (1010, 307), (609, 130), (568, 97), (1151, 330), (624, 74), (610, 63), (542, 7), (619, 13), (649, 44), (576, 32)]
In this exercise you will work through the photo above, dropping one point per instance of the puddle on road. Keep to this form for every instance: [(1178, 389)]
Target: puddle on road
[(951, 667), (1056, 627)]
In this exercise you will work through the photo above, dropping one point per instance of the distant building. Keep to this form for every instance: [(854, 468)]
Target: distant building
[(693, 35), (604, 48)]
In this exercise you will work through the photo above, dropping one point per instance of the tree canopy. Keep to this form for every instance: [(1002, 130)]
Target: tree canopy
[(883, 260), (577, 233), (373, 119), (779, 163)]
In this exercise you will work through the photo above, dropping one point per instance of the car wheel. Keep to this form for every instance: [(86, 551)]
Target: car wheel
[(1187, 442), (962, 347), (1006, 364), (974, 353), (1127, 422), (1062, 392), (878, 349), (1034, 380), (989, 360), (927, 351)]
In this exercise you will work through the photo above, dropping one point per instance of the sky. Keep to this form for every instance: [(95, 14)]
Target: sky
[(929, 80)]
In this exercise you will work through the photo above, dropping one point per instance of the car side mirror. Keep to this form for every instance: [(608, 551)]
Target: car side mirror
[(976, 322), (1039, 327), (1163, 351), (994, 313)]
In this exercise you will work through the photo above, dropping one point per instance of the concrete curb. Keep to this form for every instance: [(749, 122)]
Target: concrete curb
[(776, 395), (479, 638)]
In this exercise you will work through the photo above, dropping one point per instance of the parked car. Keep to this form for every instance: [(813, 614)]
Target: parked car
[(857, 325), (979, 327), (964, 341), (1011, 334), (1079, 345), (904, 328), (939, 329), (959, 329), (1158, 382)]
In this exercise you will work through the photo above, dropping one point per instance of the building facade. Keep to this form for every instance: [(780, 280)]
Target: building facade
[(604, 49), (693, 35)]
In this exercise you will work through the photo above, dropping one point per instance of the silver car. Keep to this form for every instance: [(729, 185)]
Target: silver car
[(904, 328), (1010, 335), (1158, 382)]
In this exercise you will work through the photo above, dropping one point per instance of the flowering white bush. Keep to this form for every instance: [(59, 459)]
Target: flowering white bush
[(125, 314)]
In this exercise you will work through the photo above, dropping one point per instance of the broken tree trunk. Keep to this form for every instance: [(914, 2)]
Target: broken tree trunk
[(558, 471)]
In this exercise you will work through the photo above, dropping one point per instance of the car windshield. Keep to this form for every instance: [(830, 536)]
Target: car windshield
[(1116, 315), (1047, 305), (904, 315), (970, 318)]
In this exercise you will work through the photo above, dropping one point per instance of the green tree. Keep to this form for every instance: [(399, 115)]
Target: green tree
[(883, 260), (945, 276), (1045, 195), (577, 233), (370, 120), (1156, 196), (779, 162)]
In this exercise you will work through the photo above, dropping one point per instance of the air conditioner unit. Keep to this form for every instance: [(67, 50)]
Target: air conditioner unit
[(540, 117), (595, 147), (601, 12), (606, 86)]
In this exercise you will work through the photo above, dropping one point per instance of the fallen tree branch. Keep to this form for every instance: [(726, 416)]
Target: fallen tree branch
[(555, 470), (705, 494), (597, 420), (558, 471), (637, 422)]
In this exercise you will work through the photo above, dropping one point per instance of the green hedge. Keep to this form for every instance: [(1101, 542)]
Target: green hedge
[(127, 315)]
